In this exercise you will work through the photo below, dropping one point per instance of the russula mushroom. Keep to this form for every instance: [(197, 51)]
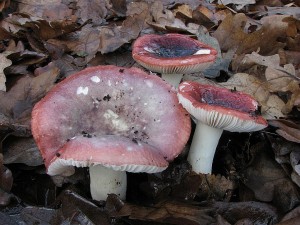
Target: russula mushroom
[(172, 55), (216, 109), (112, 120)]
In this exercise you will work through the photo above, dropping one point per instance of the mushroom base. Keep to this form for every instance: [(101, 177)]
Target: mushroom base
[(173, 79), (104, 181), (203, 148)]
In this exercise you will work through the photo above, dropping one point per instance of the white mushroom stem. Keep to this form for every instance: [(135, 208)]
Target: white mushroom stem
[(173, 79), (203, 147), (104, 181)]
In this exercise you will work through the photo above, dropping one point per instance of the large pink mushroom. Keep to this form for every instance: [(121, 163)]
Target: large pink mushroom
[(173, 55), (112, 120), (216, 109)]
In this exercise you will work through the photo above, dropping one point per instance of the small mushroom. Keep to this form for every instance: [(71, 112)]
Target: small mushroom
[(216, 109), (172, 55), (112, 120)]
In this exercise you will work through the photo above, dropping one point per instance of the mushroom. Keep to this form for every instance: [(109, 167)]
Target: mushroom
[(216, 109), (112, 120), (172, 55)]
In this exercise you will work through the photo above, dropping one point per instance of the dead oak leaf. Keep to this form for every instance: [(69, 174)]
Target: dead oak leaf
[(279, 78), (287, 129), (231, 33), (82, 43), (111, 38), (4, 62), (18, 102), (94, 10), (48, 10), (238, 3), (4, 4), (42, 28), (165, 20), (36, 7)]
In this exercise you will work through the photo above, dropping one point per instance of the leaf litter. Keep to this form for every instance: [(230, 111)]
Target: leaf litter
[(256, 177)]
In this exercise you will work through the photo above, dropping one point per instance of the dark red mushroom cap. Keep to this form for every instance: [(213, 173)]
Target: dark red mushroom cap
[(106, 114), (172, 53), (220, 107)]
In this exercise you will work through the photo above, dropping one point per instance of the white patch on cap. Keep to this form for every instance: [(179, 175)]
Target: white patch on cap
[(116, 121), (95, 79), (109, 83), (149, 83), (129, 148), (82, 90), (149, 49), (202, 52)]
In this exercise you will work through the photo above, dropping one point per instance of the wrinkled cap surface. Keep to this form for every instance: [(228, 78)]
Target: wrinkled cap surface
[(220, 107), (119, 117), (172, 53)]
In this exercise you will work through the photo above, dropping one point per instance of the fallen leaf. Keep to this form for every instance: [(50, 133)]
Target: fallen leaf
[(269, 182), (238, 3), (287, 129), (215, 186), (6, 182), (111, 38), (231, 34), (18, 102), (94, 10), (4, 4), (165, 19), (21, 150), (36, 7), (83, 43), (291, 218), (18, 22), (4, 62)]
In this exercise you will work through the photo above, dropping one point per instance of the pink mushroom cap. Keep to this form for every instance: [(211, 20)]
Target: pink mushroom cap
[(172, 53), (121, 118), (220, 107)]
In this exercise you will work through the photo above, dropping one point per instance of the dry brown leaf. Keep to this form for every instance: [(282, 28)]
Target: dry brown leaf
[(36, 7), (238, 3), (216, 186), (268, 181), (18, 102), (21, 150), (287, 129), (4, 62), (94, 10), (285, 10), (184, 11), (291, 218), (111, 38), (231, 33), (207, 15), (42, 28), (165, 20), (82, 43), (4, 4)]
